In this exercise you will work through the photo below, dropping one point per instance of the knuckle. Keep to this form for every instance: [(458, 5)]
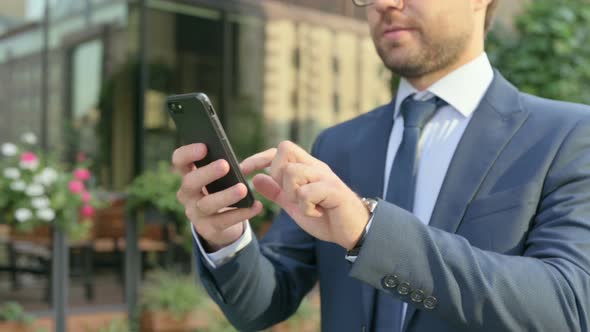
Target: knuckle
[(189, 213), (302, 193), (185, 183), (227, 217), (275, 173), (175, 158), (202, 206), (190, 182), (285, 145), (306, 209), (290, 170), (324, 166)]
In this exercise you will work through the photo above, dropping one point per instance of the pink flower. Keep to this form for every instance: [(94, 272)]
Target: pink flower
[(76, 186), (29, 160), (87, 211), (82, 174), (86, 197), (28, 157)]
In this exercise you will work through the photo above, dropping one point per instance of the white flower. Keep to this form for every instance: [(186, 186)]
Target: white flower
[(18, 186), (23, 215), (40, 202), (9, 149), (29, 138), (47, 177), (35, 190), (46, 214), (11, 173), (30, 165)]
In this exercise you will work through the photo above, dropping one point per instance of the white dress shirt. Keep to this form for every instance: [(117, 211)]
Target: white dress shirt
[(462, 90)]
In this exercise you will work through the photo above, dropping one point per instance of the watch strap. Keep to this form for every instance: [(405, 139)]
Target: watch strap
[(371, 205)]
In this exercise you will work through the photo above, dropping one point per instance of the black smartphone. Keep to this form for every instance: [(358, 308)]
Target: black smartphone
[(197, 122)]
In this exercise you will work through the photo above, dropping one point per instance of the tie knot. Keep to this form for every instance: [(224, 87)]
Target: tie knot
[(417, 112)]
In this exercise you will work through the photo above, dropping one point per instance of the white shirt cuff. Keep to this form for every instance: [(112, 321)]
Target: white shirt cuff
[(216, 259), (352, 259)]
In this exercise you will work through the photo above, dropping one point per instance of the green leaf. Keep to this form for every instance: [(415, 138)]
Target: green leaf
[(550, 51), (14, 312), (170, 292)]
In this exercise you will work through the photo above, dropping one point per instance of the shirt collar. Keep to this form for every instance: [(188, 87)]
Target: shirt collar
[(462, 89)]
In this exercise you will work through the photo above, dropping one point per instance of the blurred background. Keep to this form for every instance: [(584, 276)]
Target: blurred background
[(89, 79)]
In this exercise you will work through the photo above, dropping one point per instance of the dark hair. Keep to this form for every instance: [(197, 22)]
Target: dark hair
[(490, 13)]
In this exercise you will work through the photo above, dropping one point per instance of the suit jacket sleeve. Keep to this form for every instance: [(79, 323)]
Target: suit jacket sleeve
[(546, 289), (265, 282)]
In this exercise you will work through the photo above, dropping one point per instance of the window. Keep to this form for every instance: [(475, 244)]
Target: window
[(86, 81)]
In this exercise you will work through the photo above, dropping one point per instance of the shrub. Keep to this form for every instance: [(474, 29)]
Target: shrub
[(549, 55)]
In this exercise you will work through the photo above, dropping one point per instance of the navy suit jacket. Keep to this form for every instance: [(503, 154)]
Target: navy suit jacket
[(507, 248)]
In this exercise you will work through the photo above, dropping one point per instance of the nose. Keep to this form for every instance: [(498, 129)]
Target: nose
[(384, 5)]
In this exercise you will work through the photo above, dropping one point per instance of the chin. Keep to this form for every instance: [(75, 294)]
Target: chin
[(403, 63), (406, 70)]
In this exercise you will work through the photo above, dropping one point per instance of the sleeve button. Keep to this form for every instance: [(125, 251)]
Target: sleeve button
[(417, 296), (404, 288), (390, 282), (430, 302)]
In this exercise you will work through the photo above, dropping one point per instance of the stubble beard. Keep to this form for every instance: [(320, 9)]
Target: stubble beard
[(433, 55)]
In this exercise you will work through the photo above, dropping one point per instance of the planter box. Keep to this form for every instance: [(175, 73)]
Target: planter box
[(15, 327), (162, 321), (153, 215), (39, 235)]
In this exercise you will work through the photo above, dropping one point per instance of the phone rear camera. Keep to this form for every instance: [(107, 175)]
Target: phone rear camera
[(175, 108)]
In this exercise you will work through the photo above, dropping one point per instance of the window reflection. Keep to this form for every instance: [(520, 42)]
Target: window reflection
[(87, 68)]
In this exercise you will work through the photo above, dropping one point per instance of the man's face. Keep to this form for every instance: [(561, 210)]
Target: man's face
[(417, 37)]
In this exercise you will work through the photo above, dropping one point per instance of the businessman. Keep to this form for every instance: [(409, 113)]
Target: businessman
[(463, 205)]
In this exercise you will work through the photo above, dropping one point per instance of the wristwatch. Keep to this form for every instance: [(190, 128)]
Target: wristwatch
[(371, 205)]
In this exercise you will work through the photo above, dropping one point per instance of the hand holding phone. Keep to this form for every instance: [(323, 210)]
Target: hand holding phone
[(197, 122), (205, 145)]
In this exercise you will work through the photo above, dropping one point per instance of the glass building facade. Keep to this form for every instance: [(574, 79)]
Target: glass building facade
[(92, 76)]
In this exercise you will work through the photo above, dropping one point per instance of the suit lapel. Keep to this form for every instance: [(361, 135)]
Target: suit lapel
[(494, 122), (367, 165)]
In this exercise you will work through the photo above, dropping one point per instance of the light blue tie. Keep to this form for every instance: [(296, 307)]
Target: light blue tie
[(401, 190)]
